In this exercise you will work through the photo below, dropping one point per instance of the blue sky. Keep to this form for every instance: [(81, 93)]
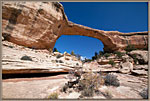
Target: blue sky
[(108, 16)]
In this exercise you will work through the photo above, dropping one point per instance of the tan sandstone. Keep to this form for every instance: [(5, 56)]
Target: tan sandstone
[(39, 25)]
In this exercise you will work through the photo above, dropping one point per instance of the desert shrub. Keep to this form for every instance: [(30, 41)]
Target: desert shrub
[(111, 79), (87, 60), (6, 36), (78, 56), (26, 58), (134, 56), (53, 96), (59, 61), (96, 55), (59, 56), (72, 53), (130, 48), (107, 55), (50, 50), (144, 93), (77, 64), (64, 88), (119, 54), (55, 50), (112, 62), (93, 57), (10, 46), (89, 84), (101, 53), (86, 83), (107, 94), (146, 48)]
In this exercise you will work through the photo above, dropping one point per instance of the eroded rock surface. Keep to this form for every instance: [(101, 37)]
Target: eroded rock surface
[(141, 55), (40, 24), (42, 60)]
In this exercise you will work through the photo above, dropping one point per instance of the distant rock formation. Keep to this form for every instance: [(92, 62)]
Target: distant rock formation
[(39, 24)]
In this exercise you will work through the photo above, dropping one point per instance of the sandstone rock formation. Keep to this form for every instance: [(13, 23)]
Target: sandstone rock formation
[(141, 55), (126, 67), (39, 25), (42, 60)]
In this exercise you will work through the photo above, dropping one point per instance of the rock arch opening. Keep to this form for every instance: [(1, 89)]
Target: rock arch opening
[(81, 45)]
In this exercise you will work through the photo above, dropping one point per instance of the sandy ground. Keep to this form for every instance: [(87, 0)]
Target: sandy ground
[(34, 88)]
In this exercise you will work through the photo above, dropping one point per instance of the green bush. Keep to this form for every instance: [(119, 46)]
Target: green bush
[(134, 56), (111, 79), (101, 53), (59, 61), (130, 48), (55, 50), (93, 57), (87, 60), (53, 96), (107, 55), (119, 54), (26, 58), (112, 62)]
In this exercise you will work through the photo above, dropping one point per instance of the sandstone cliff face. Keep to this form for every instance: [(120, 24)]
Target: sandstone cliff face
[(39, 25), (32, 24)]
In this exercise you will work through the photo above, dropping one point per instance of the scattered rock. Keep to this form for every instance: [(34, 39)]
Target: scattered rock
[(140, 55), (126, 67)]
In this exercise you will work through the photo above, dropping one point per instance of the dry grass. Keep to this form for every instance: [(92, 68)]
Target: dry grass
[(53, 96)]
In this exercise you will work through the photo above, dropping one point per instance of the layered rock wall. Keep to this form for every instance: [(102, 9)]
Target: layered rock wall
[(39, 25)]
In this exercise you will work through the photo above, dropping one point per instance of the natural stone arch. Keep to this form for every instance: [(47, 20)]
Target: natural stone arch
[(39, 24)]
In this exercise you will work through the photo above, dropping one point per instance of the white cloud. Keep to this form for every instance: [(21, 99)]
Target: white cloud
[(83, 57)]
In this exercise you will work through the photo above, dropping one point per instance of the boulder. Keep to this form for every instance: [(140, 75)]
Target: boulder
[(140, 55), (126, 67)]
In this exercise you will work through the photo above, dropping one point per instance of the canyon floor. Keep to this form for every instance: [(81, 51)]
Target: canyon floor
[(45, 73)]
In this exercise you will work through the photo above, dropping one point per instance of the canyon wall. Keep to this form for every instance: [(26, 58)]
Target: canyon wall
[(39, 24)]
